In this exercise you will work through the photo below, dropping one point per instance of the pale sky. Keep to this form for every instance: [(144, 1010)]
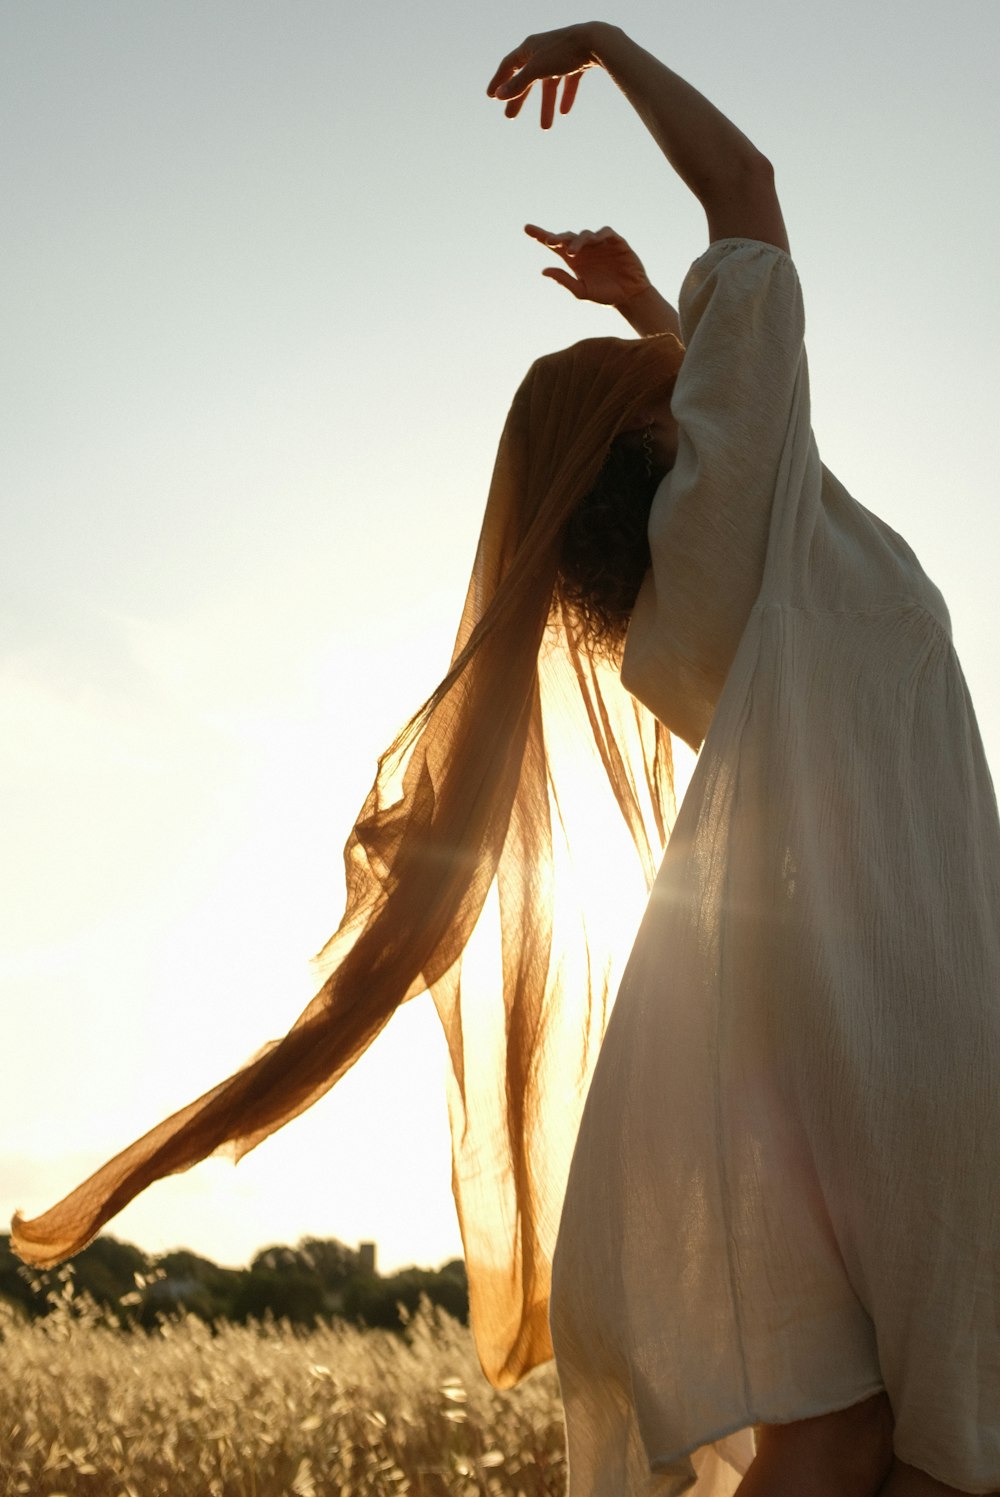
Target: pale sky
[(265, 301)]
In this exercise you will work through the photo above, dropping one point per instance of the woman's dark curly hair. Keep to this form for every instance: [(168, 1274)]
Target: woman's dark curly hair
[(605, 548)]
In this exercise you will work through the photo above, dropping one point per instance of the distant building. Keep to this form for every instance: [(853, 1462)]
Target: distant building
[(366, 1257)]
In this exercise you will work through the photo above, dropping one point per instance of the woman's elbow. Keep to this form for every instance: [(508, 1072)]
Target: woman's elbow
[(744, 205)]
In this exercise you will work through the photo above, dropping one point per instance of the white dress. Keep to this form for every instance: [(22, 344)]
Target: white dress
[(785, 1193)]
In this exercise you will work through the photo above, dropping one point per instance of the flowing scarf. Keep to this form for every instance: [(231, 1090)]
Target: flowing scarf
[(502, 861)]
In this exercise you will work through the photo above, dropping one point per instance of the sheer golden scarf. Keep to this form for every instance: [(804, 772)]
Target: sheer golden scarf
[(501, 860)]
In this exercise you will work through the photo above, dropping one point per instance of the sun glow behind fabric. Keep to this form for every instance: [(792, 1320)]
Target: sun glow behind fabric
[(267, 299)]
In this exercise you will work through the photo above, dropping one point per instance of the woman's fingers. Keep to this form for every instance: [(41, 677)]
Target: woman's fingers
[(563, 245), (550, 93), (508, 67), (548, 58), (565, 279), (569, 242), (544, 236), (550, 96), (570, 88), (549, 236), (514, 77)]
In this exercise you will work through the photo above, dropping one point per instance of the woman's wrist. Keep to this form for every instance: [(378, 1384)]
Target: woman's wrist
[(649, 313), (606, 41)]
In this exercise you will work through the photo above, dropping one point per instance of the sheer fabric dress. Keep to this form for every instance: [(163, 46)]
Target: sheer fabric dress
[(783, 1193)]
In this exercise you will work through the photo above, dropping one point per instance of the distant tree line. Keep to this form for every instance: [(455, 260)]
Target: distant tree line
[(319, 1279)]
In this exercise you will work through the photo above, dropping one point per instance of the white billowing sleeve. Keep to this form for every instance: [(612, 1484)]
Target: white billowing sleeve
[(742, 405)]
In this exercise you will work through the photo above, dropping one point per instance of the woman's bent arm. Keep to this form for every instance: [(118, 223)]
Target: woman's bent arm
[(732, 180)]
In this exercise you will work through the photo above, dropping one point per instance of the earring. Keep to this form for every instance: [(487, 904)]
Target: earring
[(647, 449)]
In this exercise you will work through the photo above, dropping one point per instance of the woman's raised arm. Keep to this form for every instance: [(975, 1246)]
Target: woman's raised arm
[(731, 179)]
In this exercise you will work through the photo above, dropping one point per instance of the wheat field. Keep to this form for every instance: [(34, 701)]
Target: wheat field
[(263, 1411)]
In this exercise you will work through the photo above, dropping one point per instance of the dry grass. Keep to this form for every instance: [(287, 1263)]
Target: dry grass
[(259, 1411)]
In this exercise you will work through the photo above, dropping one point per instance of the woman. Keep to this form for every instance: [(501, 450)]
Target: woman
[(768, 1219), (780, 1208)]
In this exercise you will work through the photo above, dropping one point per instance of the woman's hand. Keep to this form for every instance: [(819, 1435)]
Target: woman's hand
[(605, 267), (548, 57)]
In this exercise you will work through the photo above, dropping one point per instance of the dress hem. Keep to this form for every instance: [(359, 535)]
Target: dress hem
[(663, 1464)]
